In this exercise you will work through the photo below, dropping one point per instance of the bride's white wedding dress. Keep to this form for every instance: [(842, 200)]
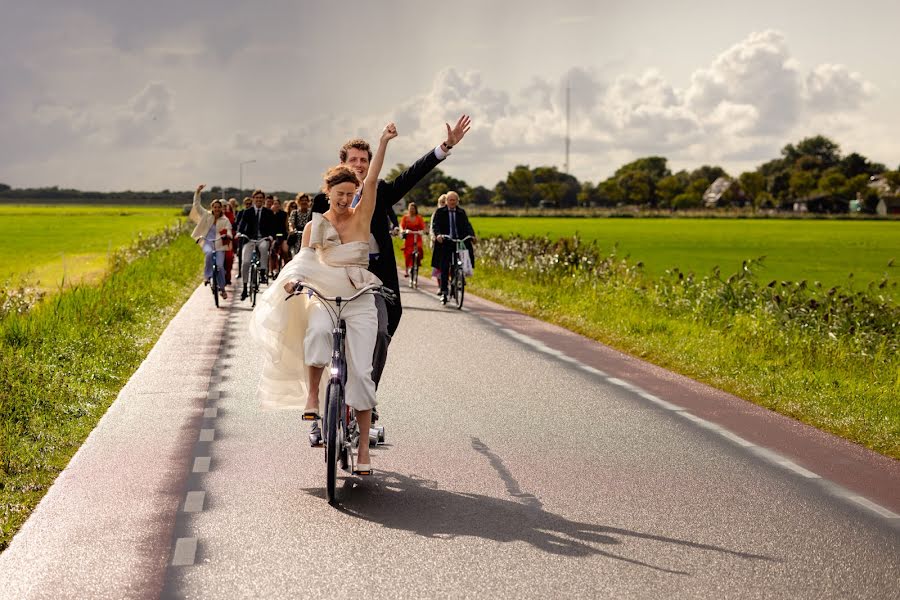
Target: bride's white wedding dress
[(297, 333)]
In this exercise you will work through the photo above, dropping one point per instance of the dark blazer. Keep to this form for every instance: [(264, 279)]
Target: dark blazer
[(441, 226), (383, 219), (279, 223), (266, 227)]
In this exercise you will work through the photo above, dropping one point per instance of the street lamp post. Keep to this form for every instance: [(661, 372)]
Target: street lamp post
[(241, 184)]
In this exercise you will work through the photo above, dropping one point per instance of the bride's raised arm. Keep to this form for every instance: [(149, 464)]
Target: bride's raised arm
[(370, 186)]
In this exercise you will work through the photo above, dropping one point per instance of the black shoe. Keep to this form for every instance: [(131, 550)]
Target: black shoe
[(263, 278), (244, 293), (315, 435)]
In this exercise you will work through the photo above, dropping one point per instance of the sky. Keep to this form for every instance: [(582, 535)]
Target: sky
[(116, 95)]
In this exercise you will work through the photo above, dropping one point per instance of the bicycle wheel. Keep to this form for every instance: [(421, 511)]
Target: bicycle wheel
[(414, 274), (460, 288), (332, 441), (254, 284), (215, 285), (452, 286)]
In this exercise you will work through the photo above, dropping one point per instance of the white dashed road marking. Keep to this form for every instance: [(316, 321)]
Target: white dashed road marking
[(185, 552), (764, 453)]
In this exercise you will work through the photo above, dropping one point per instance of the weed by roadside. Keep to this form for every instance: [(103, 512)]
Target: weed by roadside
[(63, 360)]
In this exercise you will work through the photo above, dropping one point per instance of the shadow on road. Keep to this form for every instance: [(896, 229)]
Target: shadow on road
[(410, 503)]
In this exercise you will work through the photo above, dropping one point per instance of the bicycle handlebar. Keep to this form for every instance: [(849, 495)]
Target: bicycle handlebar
[(385, 291), (465, 239), (413, 232)]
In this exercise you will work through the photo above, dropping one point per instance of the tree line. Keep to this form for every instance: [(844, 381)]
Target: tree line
[(812, 171)]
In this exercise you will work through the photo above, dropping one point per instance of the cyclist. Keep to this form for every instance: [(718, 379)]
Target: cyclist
[(412, 221), (213, 232), (449, 221), (257, 223), (356, 155), (333, 257), (239, 242), (278, 253)]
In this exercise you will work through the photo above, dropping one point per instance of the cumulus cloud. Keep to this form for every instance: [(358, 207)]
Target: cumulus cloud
[(746, 102), (757, 72), (836, 88)]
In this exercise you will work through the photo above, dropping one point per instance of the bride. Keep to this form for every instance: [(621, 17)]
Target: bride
[(296, 335)]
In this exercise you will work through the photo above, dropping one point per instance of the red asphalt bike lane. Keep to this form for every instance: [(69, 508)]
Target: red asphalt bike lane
[(105, 527), (854, 467)]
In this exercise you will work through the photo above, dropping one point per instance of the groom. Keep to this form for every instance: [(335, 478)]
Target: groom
[(356, 155)]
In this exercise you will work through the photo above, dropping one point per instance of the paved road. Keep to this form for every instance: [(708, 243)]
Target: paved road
[(507, 473)]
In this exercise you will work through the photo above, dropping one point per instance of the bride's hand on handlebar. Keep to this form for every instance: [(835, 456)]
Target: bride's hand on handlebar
[(291, 286)]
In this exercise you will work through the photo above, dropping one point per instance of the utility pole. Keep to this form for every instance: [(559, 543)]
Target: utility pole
[(568, 114)]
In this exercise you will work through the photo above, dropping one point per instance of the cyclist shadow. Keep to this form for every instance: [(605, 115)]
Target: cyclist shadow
[(409, 503)]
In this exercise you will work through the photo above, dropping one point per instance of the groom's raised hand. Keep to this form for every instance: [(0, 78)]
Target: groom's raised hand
[(456, 134)]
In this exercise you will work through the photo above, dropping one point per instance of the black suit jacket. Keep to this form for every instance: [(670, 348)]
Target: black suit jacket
[(441, 226), (383, 219), (265, 227)]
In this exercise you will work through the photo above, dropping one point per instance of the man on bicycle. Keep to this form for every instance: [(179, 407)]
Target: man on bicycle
[(258, 224), (449, 222), (356, 155)]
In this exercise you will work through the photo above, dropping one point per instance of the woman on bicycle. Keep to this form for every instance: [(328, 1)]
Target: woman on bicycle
[(297, 335), (229, 252), (412, 221), (213, 232), (279, 253)]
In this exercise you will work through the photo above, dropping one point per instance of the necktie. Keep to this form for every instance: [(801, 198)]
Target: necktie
[(453, 223), (356, 198)]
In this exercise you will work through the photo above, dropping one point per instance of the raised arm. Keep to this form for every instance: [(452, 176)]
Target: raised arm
[(405, 181), (366, 206), (197, 210)]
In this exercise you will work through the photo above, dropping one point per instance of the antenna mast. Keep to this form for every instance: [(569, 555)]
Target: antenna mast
[(568, 87)]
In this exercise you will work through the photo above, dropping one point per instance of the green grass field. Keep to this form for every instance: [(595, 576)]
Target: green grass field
[(814, 250), (43, 243)]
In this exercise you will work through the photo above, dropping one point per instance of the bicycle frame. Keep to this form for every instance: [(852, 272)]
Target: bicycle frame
[(414, 271), (254, 266), (457, 278)]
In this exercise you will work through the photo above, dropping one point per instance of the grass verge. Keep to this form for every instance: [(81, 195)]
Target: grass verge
[(63, 362)]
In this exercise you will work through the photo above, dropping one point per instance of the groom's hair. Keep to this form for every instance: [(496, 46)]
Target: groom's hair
[(338, 175), (359, 144)]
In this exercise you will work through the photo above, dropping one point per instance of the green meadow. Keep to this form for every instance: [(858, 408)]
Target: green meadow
[(828, 251), (43, 244)]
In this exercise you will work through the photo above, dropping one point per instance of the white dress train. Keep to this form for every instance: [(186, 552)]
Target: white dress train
[(297, 333)]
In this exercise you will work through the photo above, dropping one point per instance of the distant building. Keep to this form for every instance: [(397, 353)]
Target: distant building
[(723, 191), (888, 198)]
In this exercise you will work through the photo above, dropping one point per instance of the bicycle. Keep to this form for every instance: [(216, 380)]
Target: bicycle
[(457, 284), (414, 270), (253, 284), (214, 281), (340, 428)]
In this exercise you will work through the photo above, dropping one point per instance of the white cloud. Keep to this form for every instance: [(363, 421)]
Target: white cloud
[(835, 88), (757, 72)]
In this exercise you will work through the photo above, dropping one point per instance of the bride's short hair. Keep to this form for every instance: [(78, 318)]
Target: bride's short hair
[(338, 175)]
